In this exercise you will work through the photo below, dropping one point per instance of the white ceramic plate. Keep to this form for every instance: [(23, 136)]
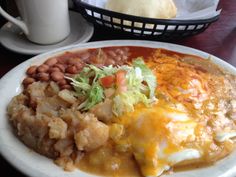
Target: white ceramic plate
[(36, 165), (13, 38)]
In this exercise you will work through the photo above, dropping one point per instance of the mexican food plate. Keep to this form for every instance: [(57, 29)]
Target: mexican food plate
[(120, 108)]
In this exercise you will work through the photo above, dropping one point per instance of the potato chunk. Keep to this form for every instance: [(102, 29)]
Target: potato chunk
[(92, 133), (58, 128), (103, 110), (67, 96)]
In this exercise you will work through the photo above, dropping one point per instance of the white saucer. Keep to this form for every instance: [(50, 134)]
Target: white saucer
[(13, 38)]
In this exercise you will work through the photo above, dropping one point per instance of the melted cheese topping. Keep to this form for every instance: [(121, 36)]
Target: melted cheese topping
[(172, 131), (180, 80), (185, 126), (147, 129)]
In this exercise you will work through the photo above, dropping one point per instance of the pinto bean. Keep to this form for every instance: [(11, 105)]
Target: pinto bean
[(60, 66), (53, 69), (34, 76), (62, 60), (112, 53), (51, 61), (126, 49), (28, 80), (67, 86), (118, 58), (62, 82), (85, 56), (43, 77), (124, 57), (120, 51), (43, 68), (110, 62), (79, 66), (57, 76), (72, 61), (31, 70), (72, 69)]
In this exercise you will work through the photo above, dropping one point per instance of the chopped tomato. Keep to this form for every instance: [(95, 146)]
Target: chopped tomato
[(121, 81), (107, 81)]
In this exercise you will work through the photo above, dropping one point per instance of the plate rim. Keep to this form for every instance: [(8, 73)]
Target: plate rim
[(41, 57)]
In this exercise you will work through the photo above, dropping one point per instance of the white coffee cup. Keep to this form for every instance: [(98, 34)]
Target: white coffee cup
[(43, 21)]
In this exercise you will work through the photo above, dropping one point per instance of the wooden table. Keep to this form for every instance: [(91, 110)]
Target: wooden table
[(218, 40)]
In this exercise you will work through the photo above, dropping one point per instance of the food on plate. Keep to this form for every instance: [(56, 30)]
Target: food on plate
[(127, 111), (164, 9)]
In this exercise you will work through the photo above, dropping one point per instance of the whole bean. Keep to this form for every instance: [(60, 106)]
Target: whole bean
[(43, 77), (85, 56), (34, 75), (51, 61), (62, 82), (126, 49), (72, 61), (28, 80), (62, 60), (110, 62), (43, 68), (53, 69), (57, 76), (72, 69), (124, 57), (118, 58), (60, 66), (66, 87), (112, 53), (31, 70), (79, 65), (120, 52)]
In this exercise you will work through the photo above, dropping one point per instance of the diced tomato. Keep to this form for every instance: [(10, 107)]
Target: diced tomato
[(107, 81), (121, 81)]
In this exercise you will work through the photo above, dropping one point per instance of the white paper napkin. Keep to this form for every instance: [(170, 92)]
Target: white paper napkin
[(196, 9)]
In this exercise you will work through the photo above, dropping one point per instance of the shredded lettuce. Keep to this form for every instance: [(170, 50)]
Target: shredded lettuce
[(137, 89), (124, 102), (135, 80), (148, 76), (95, 96), (141, 85)]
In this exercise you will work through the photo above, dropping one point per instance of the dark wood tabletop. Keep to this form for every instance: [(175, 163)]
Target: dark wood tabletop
[(219, 40)]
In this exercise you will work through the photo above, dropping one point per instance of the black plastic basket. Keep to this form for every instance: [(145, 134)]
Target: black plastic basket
[(160, 29)]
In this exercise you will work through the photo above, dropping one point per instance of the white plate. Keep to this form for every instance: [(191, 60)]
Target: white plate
[(36, 165), (13, 38)]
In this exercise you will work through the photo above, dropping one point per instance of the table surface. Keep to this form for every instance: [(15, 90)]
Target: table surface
[(219, 40)]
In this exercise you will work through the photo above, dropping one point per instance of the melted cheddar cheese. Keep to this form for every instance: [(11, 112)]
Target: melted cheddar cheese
[(185, 126)]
